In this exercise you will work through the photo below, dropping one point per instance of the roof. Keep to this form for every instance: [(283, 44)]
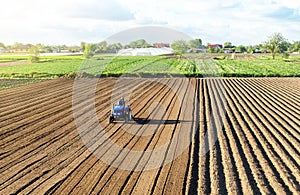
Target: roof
[(215, 45), (27, 46)]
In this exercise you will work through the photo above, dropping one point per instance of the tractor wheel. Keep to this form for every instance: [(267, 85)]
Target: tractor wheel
[(111, 119), (129, 115)]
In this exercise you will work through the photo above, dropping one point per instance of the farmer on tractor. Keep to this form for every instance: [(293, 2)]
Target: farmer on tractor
[(120, 112), (122, 101)]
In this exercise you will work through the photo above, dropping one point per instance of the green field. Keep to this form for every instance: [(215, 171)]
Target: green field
[(11, 58), (48, 67), (259, 68), (195, 65)]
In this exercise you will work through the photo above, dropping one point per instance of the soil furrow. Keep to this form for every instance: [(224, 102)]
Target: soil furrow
[(284, 98), (233, 184), (204, 155), (92, 142), (271, 173), (240, 136), (280, 167), (287, 116), (135, 146), (99, 171), (256, 163)]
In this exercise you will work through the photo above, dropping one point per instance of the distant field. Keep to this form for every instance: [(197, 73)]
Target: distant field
[(48, 67), (258, 68), (196, 65), (11, 58)]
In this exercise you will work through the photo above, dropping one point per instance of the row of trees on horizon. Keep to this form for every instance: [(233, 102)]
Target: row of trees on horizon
[(275, 44)]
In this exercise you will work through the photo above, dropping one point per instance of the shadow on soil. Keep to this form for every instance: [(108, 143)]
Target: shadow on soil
[(143, 121)]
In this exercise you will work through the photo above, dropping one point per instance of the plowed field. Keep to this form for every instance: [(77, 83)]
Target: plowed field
[(220, 136)]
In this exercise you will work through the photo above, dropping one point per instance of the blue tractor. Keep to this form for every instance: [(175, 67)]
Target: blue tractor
[(120, 112)]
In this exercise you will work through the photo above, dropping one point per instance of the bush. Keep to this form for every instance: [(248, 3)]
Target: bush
[(286, 55), (34, 54), (34, 59), (220, 58), (89, 51)]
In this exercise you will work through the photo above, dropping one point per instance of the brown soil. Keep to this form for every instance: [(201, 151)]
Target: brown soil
[(256, 150), (16, 63)]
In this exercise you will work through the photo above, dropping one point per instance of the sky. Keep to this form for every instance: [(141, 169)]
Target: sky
[(57, 22)]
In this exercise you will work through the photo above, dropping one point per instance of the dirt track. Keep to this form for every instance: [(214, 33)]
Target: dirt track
[(256, 149), (16, 63)]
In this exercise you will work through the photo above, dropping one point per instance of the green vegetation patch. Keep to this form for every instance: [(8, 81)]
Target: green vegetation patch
[(259, 68), (149, 66), (11, 58), (47, 68)]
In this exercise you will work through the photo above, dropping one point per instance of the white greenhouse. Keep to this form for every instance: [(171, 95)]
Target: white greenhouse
[(146, 51)]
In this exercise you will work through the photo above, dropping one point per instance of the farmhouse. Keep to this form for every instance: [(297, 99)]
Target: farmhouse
[(218, 46), (21, 49), (161, 45)]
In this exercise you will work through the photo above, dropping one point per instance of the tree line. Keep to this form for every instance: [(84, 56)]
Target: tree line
[(276, 43)]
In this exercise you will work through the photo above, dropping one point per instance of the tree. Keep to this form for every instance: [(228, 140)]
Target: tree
[(195, 44), (61, 47), (212, 49), (82, 46), (48, 49), (115, 47), (275, 44), (100, 47), (250, 49), (34, 54), (41, 47), (2, 45), (133, 44), (74, 49), (180, 46), (241, 49), (228, 45), (260, 48), (89, 50), (141, 43), (295, 47), (16, 44), (284, 47)]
